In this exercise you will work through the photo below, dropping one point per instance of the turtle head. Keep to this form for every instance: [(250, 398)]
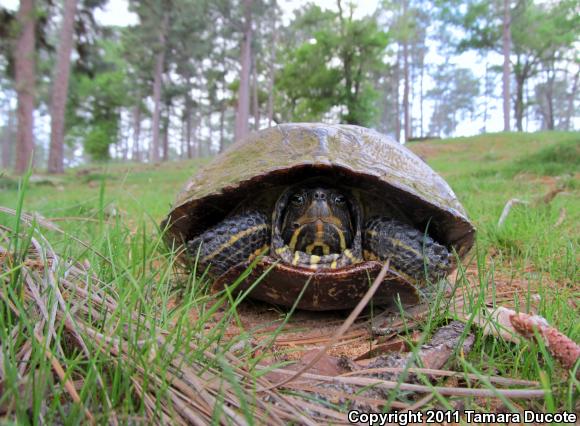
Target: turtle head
[(317, 220)]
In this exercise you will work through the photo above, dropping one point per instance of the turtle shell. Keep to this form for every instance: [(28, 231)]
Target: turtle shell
[(352, 156)]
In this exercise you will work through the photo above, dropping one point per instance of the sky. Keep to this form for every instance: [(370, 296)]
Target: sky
[(116, 13)]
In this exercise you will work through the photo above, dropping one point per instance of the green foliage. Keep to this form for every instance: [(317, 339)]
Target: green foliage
[(332, 69), (540, 29), (309, 86), (534, 27), (99, 138), (94, 107), (482, 21)]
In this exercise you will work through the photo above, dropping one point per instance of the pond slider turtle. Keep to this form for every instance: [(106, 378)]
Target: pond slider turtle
[(325, 205)]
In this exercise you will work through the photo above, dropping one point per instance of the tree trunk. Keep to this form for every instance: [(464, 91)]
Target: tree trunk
[(406, 112), (523, 70), (255, 103), (210, 132), (183, 148), (197, 138), (187, 113), (198, 124), (60, 89), (421, 96), (165, 137), (243, 110), (506, 64), (8, 140), (223, 104), (526, 110), (25, 84), (519, 102), (396, 97), (485, 99), (222, 125), (551, 76), (125, 142), (272, 73), (570, 107), (157, 86), (136, 133)]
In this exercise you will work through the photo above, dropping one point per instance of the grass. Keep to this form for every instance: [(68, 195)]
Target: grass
[(169, 321)]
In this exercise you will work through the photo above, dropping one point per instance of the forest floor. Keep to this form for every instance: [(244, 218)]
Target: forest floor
[(130, 340)]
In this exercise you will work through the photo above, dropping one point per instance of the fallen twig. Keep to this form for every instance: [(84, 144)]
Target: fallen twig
[(434, 354), (450, 391), (445, 373), (507, 208), (547, 198), (544, 199), (561, 217)]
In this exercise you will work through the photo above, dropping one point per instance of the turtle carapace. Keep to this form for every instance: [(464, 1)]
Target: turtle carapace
[(323, 205)]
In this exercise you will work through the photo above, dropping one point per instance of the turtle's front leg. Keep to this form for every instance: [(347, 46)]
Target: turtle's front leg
[(413, 253), (234, 240)]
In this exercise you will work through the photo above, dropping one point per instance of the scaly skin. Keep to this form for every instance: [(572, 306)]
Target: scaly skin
[(234, 240), (240, 238), (413, 254)]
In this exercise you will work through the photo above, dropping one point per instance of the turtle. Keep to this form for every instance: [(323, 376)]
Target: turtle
[(313, 211)]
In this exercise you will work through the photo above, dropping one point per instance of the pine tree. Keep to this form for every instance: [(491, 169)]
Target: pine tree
[(25, 83), (243, 108), (60, 89)]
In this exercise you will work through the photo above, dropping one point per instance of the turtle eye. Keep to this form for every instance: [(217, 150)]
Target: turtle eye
[(297, 199), (339, 199)]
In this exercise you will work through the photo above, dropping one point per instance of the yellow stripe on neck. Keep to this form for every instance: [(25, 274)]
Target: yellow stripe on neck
[(294, 239), (233, 239), (281, 250), (296, 258)]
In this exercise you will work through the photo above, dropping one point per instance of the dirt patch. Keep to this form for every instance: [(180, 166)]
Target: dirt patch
[(374, 333), (532, 178)]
